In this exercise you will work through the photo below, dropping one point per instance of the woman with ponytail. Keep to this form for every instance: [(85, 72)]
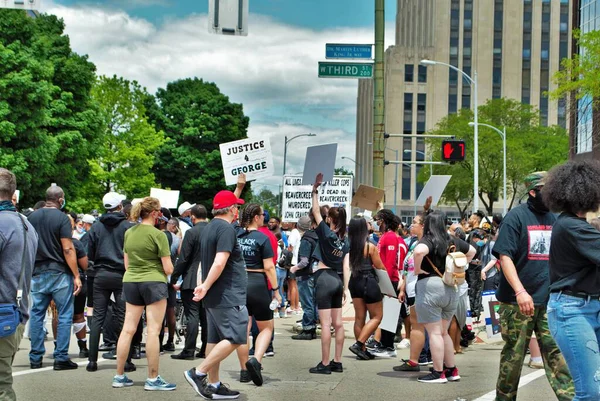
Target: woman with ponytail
[(258, 255)]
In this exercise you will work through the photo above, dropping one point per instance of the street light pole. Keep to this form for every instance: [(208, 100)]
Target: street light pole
[(357, 164), (503, 136), (473, 82), (285, 147)]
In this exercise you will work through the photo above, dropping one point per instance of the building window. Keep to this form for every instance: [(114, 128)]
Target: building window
[(405, 182), (422, 73), (545, 64), (409, 72), (408, 112), (467, 45), (454, 36), (526, 66), (497, 53), (421, 110)]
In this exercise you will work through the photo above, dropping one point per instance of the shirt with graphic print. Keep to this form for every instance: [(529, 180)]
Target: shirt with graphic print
[(524, 237)]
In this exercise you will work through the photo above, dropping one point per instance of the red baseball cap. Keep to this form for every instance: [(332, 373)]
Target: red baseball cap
[(225, 199)]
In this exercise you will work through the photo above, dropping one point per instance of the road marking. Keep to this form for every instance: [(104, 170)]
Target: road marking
[(525, 380), (30, 371)]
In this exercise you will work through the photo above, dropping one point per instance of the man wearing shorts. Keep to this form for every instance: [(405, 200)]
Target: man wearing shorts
[(223, 290)]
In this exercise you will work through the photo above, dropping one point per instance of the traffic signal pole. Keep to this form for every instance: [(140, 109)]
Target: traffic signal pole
[(379, 99)]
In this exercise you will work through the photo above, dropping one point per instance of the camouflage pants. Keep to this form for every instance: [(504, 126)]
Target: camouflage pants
[(516, 332)]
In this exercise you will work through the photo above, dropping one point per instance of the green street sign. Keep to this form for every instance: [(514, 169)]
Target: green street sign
[(345, 70)]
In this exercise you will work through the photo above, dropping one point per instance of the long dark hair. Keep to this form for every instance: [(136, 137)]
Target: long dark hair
[(250, 212), (435, 230), (338, 218), (358, 234), (391, 221)]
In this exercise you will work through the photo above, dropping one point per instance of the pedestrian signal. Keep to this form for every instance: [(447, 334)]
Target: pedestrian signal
[(453, 150)]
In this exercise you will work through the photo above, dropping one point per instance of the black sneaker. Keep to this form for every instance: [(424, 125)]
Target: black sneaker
[(357, 350), (199, 384), (65, 365), (336, 366), (129, 367), (169, 347), (254, 367), (184, 355), (110, 355), (407, 366), (433, 377), (224, 393), (305, 335), (321, 369), (451, 374), (423, 360), (92, 366), (245, 376), (372, 343), (107, 347)]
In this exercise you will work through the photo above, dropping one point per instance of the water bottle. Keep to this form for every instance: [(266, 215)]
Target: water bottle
[(274, 304)]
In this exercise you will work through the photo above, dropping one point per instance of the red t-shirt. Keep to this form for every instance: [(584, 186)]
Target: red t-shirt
[(392, 250)]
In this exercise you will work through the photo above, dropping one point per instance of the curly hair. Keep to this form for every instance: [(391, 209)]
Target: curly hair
[(250, 212), (573, 187), (390, 220)]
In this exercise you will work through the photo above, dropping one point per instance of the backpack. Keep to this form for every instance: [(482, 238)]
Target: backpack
[(285, 260), (456, 265)]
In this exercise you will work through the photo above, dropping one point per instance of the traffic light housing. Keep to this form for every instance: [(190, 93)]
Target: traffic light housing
[(453, 150)]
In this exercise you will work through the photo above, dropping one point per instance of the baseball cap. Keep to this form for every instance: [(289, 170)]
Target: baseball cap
[(536, 179), (225, 199), (88, 218), (304, 223), (112, 200), (185, 206), (267, 217)]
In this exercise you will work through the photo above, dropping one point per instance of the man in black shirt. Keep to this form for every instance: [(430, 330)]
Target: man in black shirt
[(523, 250), (187, 266), (55, 277)]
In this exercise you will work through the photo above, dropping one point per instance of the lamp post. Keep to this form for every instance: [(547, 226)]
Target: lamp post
[(503, 136), (359, 167), (424, 155), (285, 147), (473, 82), (395, 178)]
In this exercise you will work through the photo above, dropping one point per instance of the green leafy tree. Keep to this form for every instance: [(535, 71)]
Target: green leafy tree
[(270, 201), (530, 147), (195, 117), (49, 124), (342, 171), (126, 156)]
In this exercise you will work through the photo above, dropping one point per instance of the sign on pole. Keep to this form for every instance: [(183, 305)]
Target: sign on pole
[(228, 17), (249, 156), (21, 4), (348, 51), (297, 198), (345, 70)]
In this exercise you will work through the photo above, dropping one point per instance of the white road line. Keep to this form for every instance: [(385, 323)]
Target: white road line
[(525, 380), (30, 371)]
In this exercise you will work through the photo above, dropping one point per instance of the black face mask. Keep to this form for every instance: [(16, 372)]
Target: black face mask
[(537, 202)]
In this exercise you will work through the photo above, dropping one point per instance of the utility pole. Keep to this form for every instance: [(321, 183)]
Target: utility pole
[(379, 100)]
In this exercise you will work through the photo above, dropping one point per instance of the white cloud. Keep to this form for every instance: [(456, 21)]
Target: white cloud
[(273, 71)]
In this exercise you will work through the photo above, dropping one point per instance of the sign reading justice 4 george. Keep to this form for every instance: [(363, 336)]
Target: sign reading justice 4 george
[(345, 70), (249, 156)]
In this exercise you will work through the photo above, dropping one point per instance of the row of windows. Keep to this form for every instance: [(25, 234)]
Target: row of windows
[(407, 142), (409, 73)]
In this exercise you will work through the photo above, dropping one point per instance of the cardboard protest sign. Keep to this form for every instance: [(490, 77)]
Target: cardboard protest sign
[(367, 197), (249, 156), (167, 198), (297, 198), (319, 159), (434, 188)]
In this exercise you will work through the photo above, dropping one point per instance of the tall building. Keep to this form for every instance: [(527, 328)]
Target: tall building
[(585, 121), (515, 46)]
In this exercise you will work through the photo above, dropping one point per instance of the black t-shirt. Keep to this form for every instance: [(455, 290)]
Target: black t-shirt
[(230, 288), (331, 250), (574, 255), (51, 226), (308, 244), (524, 237), (438, 257), (79, 252), (255, 247)]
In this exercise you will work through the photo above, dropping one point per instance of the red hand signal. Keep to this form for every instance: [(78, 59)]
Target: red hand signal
[(448, 151)]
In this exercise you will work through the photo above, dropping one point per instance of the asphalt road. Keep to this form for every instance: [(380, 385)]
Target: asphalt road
[(286, 377)]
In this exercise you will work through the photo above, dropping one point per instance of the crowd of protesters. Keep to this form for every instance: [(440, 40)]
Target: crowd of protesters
[(126, 266)]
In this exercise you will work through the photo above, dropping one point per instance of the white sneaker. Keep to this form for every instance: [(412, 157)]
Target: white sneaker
[(404, 344), (276, 315)]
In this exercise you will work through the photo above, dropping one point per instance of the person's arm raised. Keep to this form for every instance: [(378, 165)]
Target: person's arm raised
[(316, 208), (240, 185)]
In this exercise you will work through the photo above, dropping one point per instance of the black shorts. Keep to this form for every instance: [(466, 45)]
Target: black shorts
[(364, 285), (172, 296), (329, 289), (79, 302), (410, 301), (146, 293), (90, 290), (259, 297)]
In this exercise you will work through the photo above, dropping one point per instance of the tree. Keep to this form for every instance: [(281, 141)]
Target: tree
[(268, 200), (342, 171), (195, 117), (49, 123), (126, 156), (530, 147)]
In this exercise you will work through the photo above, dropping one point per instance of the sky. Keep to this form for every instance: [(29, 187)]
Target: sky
[(272, 71)]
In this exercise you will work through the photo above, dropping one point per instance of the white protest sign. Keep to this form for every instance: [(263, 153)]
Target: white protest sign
[(319, 159), (18, 194), (434, 188), (249, 156), (166, 197), (297, 198), (21, 4)]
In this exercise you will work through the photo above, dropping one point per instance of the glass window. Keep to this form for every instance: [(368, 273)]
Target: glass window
[(422, 73), (409, 72), (468, 24), (452, 104), (405, 182), (466, 101), (526, 53), (545, 54)]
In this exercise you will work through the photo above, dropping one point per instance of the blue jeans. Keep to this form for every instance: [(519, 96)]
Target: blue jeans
[(47, 286), (306, 290), (281, 276), (575, 325)]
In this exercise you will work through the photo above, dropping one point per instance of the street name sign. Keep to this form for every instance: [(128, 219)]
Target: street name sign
[(345, 70), (21, 4), (348, 51)]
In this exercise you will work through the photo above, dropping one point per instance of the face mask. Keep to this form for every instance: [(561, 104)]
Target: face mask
[(80, 230), (480, 243), (537, 202), (62, 205)]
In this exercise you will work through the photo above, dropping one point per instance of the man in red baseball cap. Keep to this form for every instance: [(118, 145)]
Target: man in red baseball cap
[(223, 291)]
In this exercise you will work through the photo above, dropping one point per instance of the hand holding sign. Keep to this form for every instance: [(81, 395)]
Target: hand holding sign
[(318, 181)]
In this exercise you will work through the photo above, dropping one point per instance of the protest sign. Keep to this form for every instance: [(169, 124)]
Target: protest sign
[(319, 159), (249, 156), (166, 197), (434, 188), (297, 198), (18, 193), (367, 197)]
